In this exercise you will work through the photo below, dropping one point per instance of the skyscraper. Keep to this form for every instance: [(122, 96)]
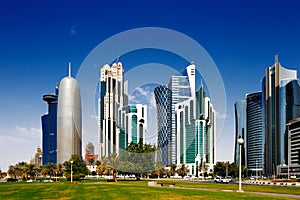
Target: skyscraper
[(90, 154), (110, 104), (181, 91), (133, 124), (163, 106), (240, 130), (273, 100), (255, 134), (69, 132), (49, 128), (186, 123)]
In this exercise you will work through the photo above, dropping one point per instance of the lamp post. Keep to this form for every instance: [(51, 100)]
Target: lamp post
[(71, 171), (240, 142), (56, 176)]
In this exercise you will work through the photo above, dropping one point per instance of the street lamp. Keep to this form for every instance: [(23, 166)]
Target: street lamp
[(240, 142), (71, 171)]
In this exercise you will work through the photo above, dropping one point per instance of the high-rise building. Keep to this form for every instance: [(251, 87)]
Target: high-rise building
[(110, 103), (240, 131), (69, 130), (186, 123), (90, 157), (49, 128), (133, 124), (255, 134), (181, 90), (163, 105), (274, 148), (196, 135)]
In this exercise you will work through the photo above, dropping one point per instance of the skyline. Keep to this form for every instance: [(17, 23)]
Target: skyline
[(242, 39)]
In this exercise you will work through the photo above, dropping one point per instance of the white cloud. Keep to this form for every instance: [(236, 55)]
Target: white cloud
[(93, 116), (143, 92), (220, 116), (31, 131)]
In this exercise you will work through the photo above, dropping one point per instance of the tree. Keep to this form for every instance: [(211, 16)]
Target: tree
[(49, 169), (12, 171), (101, 167), (220, 169), (182, 171), (113, 162), (138, 159), (79, 169), (173, 169), (32, 170), (91, 161)]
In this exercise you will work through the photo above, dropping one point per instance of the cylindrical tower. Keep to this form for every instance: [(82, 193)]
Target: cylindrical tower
[(69, 136)]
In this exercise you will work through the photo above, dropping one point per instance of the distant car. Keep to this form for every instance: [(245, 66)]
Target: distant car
[(187, 178), (220, 179), (229, 178)]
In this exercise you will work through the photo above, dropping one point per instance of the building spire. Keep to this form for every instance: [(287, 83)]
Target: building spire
[(276, 58), (69, 69)]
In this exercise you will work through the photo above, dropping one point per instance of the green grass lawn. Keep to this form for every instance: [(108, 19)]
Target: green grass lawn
[(135, 190)]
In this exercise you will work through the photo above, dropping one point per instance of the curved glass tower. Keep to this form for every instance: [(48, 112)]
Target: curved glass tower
[(163, 104), (69, 136)]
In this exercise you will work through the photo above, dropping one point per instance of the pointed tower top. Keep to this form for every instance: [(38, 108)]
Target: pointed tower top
[(276, 58), (69, 69), (56, 86)]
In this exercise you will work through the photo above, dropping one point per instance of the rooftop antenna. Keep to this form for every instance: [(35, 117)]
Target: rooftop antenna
[(276, 58), (69, 69)]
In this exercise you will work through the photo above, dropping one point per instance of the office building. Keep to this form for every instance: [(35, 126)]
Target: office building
[(133, 124), (163, 106), (240, 131), (110, 103), (274, 100), (69, 130), (90, 157), (255, 134), (49, 128)]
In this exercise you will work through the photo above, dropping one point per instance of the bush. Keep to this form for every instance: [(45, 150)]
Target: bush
[(75, 177)]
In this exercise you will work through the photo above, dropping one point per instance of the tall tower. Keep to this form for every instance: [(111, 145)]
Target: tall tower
[(49, 128), (182, 88), (255, 134), (273, 99), (163, 105), (240, 129), (69, 135), (110, 105)]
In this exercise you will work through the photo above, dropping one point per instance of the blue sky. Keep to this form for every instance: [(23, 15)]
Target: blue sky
[(39, 38)]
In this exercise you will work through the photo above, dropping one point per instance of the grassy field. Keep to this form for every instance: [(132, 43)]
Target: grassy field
[(135, 190)]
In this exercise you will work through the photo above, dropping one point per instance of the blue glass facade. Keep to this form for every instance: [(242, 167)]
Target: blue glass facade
[(289, 109), (163, 105), (49, 129), (255, 133), (240, 130)]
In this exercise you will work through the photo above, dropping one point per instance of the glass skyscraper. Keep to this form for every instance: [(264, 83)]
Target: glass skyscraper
[(163, 97), (255, 133), (240, 130), (49, 128), (186, 123), (274, 148)]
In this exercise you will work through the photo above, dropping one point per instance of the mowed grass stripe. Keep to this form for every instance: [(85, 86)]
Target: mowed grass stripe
[(130, 190)]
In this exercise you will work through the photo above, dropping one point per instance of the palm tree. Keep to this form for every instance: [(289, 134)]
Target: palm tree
[(173, 169), (101, 168), (113, 162), (32, 170)]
